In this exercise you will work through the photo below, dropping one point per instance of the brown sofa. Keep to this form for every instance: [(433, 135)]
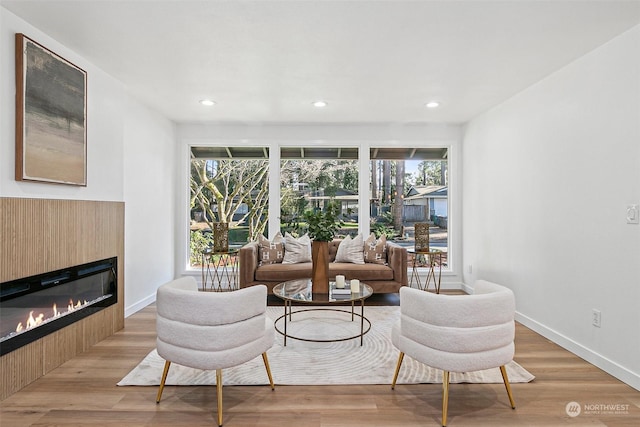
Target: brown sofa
[(382, 278)]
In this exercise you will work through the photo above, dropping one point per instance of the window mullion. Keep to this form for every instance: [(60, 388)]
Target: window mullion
[(274, 189), (364, 190)]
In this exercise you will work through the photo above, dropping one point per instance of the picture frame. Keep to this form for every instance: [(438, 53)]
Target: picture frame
[(51, 116)]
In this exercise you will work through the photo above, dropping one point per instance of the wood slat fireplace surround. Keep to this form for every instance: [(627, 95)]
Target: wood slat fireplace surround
[(41, 235)]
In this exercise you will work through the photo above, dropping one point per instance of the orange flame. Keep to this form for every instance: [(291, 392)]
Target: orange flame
[(32, 321)]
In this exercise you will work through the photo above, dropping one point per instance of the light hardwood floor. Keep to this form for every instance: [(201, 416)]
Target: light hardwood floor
[(83, 392)]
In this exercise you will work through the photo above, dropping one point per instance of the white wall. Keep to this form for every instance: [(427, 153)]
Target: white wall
[(131, 154), (150, 203), (105, 96), (547, 178)]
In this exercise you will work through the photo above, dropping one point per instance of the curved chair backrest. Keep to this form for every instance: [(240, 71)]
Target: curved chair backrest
[(460, 332), (211, 330)]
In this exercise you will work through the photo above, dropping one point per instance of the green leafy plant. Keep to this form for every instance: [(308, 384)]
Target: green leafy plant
[(198, 243), (291, 215), (324, 224), (383, 225)]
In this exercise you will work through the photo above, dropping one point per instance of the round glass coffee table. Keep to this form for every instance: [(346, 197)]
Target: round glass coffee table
[(300, 292)]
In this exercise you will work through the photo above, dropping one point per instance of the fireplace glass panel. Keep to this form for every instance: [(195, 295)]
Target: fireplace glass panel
[(33, 307)]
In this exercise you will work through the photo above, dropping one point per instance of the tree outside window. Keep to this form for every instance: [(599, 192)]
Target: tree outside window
[(312, 184), (230, 191), (406, 186)]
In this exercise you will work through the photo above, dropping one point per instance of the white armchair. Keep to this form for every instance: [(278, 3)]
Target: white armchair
[(211, 330), (457, 333)]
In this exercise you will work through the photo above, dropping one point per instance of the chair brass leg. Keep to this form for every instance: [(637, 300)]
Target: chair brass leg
[(162, 381), (445, 396), (266, 365), (219, 389), (503, 371), (395, 376)]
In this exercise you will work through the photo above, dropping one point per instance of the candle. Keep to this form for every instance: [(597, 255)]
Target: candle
[(355, 286), (340, 281)]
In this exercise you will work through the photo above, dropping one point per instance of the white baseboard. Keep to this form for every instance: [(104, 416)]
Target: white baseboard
[(466, 288), (139, 305), (134, 308), (607, 365)]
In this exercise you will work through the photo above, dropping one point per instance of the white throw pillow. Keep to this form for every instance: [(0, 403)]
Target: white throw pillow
[(350, 250), (296, 250)]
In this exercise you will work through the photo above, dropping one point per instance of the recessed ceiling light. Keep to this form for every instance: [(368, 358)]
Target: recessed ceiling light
[(207, 102), (319, 104), (432, 104)]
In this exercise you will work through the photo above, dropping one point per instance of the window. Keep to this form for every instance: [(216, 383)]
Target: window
[(230, 187), (311, 178), (405, 185), (408, 186)]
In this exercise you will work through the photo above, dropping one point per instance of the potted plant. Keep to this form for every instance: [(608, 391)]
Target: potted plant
[(322, 227)]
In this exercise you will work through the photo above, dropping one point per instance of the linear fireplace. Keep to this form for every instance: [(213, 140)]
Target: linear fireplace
[(33, 307)]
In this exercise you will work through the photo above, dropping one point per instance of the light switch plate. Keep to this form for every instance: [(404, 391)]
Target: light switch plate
[(633, 214)]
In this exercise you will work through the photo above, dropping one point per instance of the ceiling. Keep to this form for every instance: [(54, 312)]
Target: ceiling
[(372, 61)]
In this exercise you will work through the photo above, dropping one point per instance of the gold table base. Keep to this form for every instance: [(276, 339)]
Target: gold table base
[(220, 268), (433, 261)]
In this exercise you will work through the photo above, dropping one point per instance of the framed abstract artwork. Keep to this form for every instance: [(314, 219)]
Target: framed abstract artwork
[(51, 116)]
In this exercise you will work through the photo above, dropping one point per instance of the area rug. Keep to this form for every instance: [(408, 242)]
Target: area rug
[(307, 363)]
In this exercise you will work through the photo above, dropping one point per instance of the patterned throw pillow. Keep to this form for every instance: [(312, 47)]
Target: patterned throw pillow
[(375, 251), (296, 250), (270, 252), (350, 250)]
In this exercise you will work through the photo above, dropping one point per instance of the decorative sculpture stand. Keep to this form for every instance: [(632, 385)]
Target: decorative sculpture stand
[(219, 263), (431, 259)]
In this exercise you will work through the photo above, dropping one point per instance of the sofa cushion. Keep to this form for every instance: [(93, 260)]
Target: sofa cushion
[(270, 252), (283, 272), (350, 250), (363, 272), (375, 250), (296, 250)]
